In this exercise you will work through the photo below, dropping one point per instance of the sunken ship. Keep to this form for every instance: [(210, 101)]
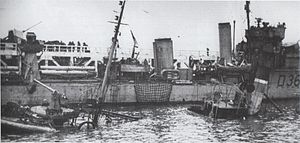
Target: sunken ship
[(131, 81)]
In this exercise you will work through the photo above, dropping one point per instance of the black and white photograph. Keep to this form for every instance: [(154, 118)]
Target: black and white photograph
[(126, 71)]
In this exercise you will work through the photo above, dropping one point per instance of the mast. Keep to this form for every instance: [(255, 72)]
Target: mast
[(31, 27), (253, 57), (249, 53), (134, 45), (133, 52), (247, 12), (111, 53)]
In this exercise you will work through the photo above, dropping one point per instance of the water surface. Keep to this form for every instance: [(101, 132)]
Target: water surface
[(174, 123)]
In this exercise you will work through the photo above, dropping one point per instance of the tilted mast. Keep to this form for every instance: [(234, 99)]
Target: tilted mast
[(134, 45), (111, 53)]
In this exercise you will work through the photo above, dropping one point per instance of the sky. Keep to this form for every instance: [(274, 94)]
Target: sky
[(192, 25)]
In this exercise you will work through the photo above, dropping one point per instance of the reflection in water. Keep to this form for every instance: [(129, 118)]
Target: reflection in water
[(174, 123)]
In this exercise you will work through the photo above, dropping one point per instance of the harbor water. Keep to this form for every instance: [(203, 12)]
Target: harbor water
[(174, 123)]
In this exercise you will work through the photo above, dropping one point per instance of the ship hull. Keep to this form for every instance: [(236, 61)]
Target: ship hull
[(221, 112), (284, 83), (77, 92), (281, 85)]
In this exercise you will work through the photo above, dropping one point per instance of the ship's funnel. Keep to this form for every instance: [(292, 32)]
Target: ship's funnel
[(163, 54), (225, 41)]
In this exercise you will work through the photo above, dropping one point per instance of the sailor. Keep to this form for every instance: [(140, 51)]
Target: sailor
[(191, 62), (197, 65), (178, 65), (55, 104), (239, 98), (146, 63), (122, 61), (249, 89), (30, 68), (217, 96)]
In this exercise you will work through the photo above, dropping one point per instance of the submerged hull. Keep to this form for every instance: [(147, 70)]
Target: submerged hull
[(11, 125), (221, 113), (244, 104)]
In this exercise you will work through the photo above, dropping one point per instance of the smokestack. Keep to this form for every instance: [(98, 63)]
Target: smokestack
[(225, 41), (163, 54), (233, 42)]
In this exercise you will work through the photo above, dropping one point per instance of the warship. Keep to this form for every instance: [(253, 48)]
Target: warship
[(54, 115), (275, 62), (129, 81)]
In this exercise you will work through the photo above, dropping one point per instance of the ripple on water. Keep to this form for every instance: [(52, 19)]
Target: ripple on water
[(174, 123)]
